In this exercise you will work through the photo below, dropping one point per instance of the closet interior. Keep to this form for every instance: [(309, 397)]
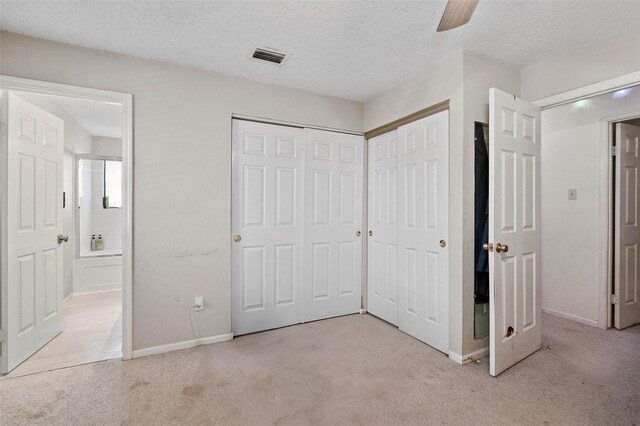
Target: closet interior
[(481, 228)]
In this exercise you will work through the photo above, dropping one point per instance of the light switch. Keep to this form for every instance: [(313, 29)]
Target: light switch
[(573, 194)]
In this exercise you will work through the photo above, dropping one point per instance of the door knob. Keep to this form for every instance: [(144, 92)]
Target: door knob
[(502, 248), (358, 233), (443, 243), (62, 238), (487, 247), (371, 233), (237, 238)]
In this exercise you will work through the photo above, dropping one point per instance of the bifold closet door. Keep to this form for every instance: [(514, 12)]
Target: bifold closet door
[(423, 230), (332, 224), (266, 251), (382, 277)]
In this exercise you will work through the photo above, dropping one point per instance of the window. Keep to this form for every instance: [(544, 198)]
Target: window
[(112, 184)]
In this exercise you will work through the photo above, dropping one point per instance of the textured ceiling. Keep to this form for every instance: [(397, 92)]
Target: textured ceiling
[(97, 118), (350, 49)]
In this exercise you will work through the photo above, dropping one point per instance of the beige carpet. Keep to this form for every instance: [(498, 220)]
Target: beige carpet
[(348, 370), (92, 332)]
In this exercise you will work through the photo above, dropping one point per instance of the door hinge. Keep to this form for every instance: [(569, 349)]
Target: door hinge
[(3, 336), (614, 150), (614, 299), (3, 129)]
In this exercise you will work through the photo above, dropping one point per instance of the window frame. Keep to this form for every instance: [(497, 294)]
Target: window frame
[(104, 181)]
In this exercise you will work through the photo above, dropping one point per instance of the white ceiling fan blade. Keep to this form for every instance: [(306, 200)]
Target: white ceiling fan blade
[(457, 13)]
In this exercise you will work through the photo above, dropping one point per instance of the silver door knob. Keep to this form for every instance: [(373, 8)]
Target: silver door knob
[(358, 233), (237, 238), (371, 233), (62, 238)]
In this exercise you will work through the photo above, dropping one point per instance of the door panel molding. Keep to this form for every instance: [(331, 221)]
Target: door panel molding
[(515, 329)]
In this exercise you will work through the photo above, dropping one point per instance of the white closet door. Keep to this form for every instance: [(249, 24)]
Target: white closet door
[(627, 232), (332, 221), (266, 249), (32, 289), (515, 325), (423, 219), (382, 269)]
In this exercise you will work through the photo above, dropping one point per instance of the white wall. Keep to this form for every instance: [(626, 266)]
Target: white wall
[(575, 233), (436, 84), (463, 78), (75, 138), (480, 74), (109, 147), (613, 57), (182, 156)]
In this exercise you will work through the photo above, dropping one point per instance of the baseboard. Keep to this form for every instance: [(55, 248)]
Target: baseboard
[(67, 298), (470, 357), (155, 350), (571, 317)]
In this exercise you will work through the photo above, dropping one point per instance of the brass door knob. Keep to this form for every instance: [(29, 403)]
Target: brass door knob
[(358, 233), (237, 238), (371, 233), (443, 243), (487, 247), (502, 248)]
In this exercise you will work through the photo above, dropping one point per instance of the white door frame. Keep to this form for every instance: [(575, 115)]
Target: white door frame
[(125, 100), (606, 176)]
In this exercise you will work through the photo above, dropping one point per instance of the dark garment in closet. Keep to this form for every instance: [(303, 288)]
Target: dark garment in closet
[(481, 263), (481, 195)]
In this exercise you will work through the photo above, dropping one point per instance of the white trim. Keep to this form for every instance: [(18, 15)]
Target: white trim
[(571, 317), (589, 91), (470, 357), (155, 350), (292, 124), (126, 101)]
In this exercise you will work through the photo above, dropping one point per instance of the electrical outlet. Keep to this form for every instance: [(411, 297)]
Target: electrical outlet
[(573, 194), (198, 304)]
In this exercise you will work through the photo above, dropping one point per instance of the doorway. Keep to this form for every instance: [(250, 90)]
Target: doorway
[(590, 194), (69, 303), (625, 291)]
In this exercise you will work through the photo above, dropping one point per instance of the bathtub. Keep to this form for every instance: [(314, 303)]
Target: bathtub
[(98, 271)]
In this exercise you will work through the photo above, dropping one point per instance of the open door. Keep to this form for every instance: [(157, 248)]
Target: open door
[(627, 231), (32, 308), (514, 230)]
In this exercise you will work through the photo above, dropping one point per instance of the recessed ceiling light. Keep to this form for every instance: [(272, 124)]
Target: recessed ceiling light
[(269, 55), (621, 93)]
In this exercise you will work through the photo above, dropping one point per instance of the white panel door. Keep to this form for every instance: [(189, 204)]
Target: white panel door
[(423, 230), (627, 232), (332, 224), (32, 290), (266, 247), (382, 276), (514, 230)]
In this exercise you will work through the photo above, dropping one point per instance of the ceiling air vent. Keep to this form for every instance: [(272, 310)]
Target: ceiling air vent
[(269, 56)]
